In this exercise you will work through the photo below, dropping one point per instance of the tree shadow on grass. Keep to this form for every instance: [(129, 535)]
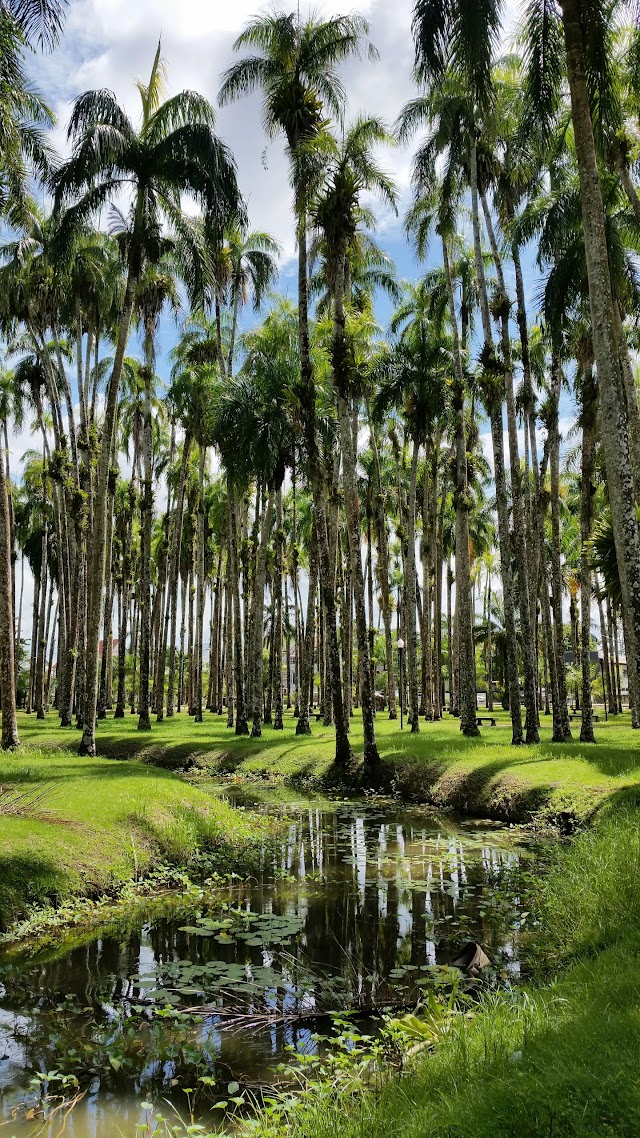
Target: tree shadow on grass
[(614, 761), (485, 790), (62, 771)]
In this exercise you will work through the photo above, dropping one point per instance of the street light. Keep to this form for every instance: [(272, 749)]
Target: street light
[(401, 668)]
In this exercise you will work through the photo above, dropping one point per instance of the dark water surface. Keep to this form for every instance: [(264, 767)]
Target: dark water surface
[(362, 902)]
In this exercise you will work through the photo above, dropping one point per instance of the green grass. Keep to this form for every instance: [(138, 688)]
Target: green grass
[(104, 820), (482, 776), (88, 825), (559, 1061)]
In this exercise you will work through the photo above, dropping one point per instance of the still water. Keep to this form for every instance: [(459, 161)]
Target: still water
[(358, 907)]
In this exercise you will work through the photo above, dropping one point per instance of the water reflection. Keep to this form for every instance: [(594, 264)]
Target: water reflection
[(358, 905)]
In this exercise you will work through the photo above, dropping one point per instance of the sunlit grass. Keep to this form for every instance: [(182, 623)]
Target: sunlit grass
[(478, 775), (97, 823), (107, 820)]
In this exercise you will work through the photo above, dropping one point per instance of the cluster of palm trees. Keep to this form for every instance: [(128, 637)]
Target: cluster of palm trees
[(297, 497)]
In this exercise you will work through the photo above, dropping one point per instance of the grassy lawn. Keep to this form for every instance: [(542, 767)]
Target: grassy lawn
[(483, 776), (80, 825), (87, 824)]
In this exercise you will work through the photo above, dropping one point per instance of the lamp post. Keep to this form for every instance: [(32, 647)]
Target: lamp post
[(401, 670)]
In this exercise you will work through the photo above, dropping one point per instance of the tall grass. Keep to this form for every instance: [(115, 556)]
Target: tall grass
[(591, 897)]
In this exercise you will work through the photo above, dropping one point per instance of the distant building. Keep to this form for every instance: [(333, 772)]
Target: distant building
[(114, 647)]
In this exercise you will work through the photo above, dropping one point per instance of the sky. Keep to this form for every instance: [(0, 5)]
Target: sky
[(111, 43)]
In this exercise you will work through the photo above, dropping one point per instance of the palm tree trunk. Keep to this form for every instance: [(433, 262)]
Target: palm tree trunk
[(52, 644), (228, 650), (426, 702), (607, 349), (197, 648), (107, 629), (438, 699), (96, 580), (521, 549), (18, 645), (615, 654), (287, 628), (258, 615), (466, 647), (10, 738), (371, 756), (413, 714), (242, 727), (35, 607), (268, 694), (604, 643), (382, 571), (146, 509), (174, 576), (277, 632), (489, 647), (214, 640), (450, 667), (512, 678), (135, 630), (589, 440), (370, 623), (562, 728), (304, 684), (343, 755), (42, 644)]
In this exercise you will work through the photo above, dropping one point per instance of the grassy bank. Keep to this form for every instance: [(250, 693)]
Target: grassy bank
[(555, 1062), (78, 825), (484, 776), (85, 825)]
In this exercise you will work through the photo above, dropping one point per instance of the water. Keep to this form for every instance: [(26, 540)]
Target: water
[(359, 906)]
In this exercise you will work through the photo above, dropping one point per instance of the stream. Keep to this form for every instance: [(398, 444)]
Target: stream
[(359, 906)]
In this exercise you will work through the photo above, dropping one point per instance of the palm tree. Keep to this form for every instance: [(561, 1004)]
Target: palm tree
[(414, 379), (156, 287), (586, 32), (10, 737), (338, 213), (294, 63), (253, 432), (24, 115), (174, 151), (251, 269)]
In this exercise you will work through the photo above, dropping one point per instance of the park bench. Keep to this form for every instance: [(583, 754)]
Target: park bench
[(485, 719), (578, 715)]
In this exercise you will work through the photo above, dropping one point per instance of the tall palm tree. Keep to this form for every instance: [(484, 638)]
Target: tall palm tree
[(156, 287), (250, 268), (337, 211), (174, 151), (294, 63), (574, 39), (414, 380), (255, 409)]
